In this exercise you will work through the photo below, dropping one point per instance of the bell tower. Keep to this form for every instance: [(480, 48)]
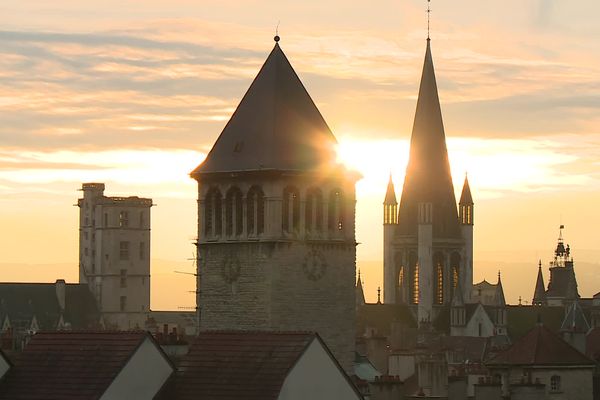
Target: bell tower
[(276, 240)]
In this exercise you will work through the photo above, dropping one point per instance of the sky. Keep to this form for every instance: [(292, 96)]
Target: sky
[(134, 93)]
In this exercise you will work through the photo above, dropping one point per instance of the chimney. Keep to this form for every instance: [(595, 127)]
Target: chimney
[(61, 293)]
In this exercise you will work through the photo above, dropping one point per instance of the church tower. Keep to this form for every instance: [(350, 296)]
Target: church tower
[(276, 233), (430, 248)]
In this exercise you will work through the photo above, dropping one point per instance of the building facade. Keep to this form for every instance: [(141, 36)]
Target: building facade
[(114, 255), (276, 241), (428, 242)]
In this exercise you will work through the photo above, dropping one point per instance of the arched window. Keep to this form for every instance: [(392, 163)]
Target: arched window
[(213, 212), (414, 278), (555, 383), (438, 262), (290, 209), (313, 213), (255, 211), (336, 211), (454, 268), (234, 212)]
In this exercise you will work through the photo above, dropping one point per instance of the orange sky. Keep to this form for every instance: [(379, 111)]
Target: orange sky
[(135, 96)]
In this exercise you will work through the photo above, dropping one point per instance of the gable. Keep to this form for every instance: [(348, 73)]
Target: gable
[(143, 376), (478, 318), (317, 376)]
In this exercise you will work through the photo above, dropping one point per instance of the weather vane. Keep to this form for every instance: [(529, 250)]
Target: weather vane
[(276, 38), (428, 16)]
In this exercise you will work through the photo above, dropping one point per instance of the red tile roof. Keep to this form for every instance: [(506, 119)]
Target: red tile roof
[(227, 365), (540, 346), (69, 365)]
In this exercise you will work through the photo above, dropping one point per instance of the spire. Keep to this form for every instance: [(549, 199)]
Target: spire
[(390, 194), (360, 294), (539, 295), (276, 126), (499, 296), (465, 197), (428, 178)]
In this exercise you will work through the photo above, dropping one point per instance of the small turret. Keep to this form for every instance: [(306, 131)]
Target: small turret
[(539, 295), (500, 308), (465, 209), (458, 312), (360, 294), (390, 205)]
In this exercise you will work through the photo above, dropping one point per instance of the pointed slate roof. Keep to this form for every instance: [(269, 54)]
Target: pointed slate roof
[(540, 347), (360, 294), (428, 177), (465, 197), (499, 296), (457, 297), (575, 320), (390, 194), (276, 126), (539, 295)]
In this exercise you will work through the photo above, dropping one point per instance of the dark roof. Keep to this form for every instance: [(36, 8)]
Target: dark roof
[(520, 319), (428, 178), (69, 365), (592, 344), (540, 347), (381, 316), (22, 301), (465, 197), (276, 126), (562, 283), (499, 295), (237, 365)]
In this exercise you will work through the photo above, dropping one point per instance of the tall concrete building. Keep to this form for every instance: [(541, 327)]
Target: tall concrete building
[(428, 243), (114, 255), (276, 240)]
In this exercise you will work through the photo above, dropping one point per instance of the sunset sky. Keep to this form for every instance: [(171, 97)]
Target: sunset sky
[(134, 93)]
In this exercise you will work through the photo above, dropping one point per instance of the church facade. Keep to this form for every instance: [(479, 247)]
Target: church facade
[(276, 234), (428, 240)]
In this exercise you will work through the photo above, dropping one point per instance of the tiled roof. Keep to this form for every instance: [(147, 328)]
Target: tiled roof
[(592, 344), (520, 319), (381, 316), (542, 347), (69, 365), (223, 365)]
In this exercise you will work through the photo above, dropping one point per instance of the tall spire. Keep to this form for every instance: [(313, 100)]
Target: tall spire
[(360, 294), (539, 294), (465, 196), (428, 178)]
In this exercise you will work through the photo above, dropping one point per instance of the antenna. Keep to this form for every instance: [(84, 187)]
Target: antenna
[(428, 17)]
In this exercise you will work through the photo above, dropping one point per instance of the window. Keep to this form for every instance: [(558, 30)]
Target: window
[(123, 219), (105, 220), (142, 221), (85, 251), (234, 212), (124, 251), (290, 215), (213, 213), (85, 235), (123, 303), (123, 279), (255, 211), (555, 383), (479, 329), (336, 211), (314, 210), (142, 250), (439, 298), (415, 298)]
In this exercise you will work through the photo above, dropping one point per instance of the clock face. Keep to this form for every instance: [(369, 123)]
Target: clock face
[(314, 265), (230, 270)]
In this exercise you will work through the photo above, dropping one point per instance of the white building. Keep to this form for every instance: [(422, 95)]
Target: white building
[(114, 254)]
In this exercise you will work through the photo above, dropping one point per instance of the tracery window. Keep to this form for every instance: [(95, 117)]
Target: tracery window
[(336, 211), (213, 223), (234, 212)]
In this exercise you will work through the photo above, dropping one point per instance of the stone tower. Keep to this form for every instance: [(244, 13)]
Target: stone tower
[(114, 255), (428, 249), (276, 242)]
